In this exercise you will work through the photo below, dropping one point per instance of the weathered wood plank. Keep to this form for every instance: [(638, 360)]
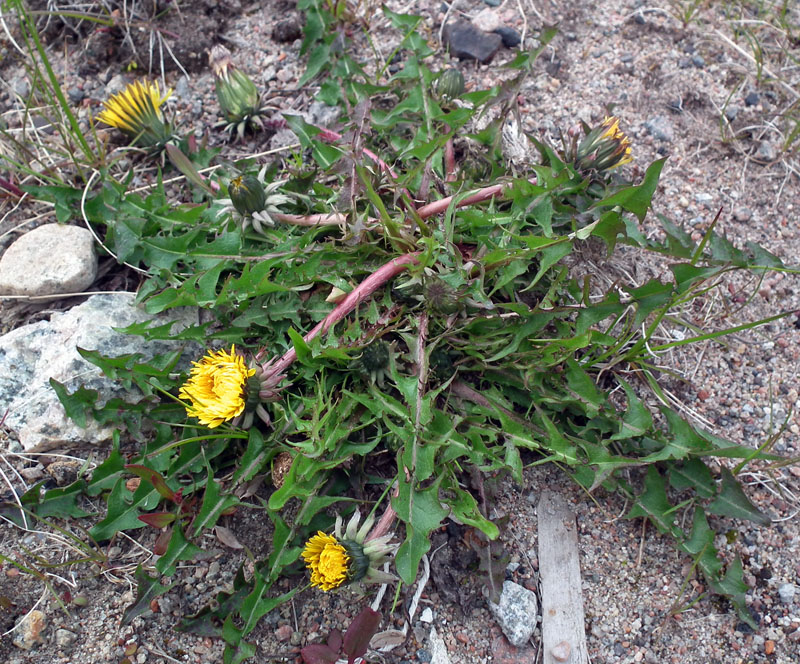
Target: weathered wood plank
[(563, 625)]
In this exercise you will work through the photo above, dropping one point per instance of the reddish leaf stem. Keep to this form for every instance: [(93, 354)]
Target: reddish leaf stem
[(360, 293)]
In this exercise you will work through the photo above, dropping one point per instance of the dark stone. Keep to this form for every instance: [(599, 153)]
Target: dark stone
[(75, 95), (510, 37), (697, 61), (493, 3), (639, 18), (286, 31), (731, 112), (684, 63), (466, 42), (751, 99)]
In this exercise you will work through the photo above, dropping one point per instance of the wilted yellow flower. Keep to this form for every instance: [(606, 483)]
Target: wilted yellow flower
[(604, 148), (328, 561), (217, 387), (137, 112), (347, 557)]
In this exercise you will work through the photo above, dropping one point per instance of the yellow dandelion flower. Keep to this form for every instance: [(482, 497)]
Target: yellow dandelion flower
[(348, 556), (328, 561), (217, 387), (137, 112)]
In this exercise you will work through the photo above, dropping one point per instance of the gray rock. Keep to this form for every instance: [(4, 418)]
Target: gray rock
[(183, 90), (751, 99), (786, 592), (742, 213), (698, 61), (21, 86), (660, 128), (322, 115), (116, 84), (466, 42), (767, 152), (703, 198), (731, 112), (49, 260), (33, 354), (516, 613), (65, 638), (75, 95)]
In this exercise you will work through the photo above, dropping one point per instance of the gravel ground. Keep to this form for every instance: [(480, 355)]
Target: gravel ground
[(671, 85)]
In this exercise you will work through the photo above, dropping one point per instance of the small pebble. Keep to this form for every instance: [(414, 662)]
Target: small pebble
[(742, 213), (510, 37), (284, 633), (561, 651), (64, 637), (786, 591), (751, 99)]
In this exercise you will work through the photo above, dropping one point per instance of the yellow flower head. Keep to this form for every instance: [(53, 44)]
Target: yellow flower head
[(137, 112), (328, 561), (217, 387), (348, 556)]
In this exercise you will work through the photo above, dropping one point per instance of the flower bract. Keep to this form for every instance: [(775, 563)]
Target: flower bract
[(136, 111), (217, 387)]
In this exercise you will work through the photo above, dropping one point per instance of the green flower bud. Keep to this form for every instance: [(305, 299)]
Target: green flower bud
[(247, 194), (375, 357), (237, 95), (450, 84), (440, 297)]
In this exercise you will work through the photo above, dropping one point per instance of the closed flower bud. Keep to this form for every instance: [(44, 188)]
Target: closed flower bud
[(450, 84), (247, 194), (440, 297), (238, 96)]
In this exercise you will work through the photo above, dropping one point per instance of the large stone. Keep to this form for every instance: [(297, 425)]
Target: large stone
[(31, 355), (49, 260), (516, 613), (466, 42)]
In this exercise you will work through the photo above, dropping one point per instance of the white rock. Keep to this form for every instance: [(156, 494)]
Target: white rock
[(427, 615), (50, 260), (32, 354), (487, 20), (438, 649)]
